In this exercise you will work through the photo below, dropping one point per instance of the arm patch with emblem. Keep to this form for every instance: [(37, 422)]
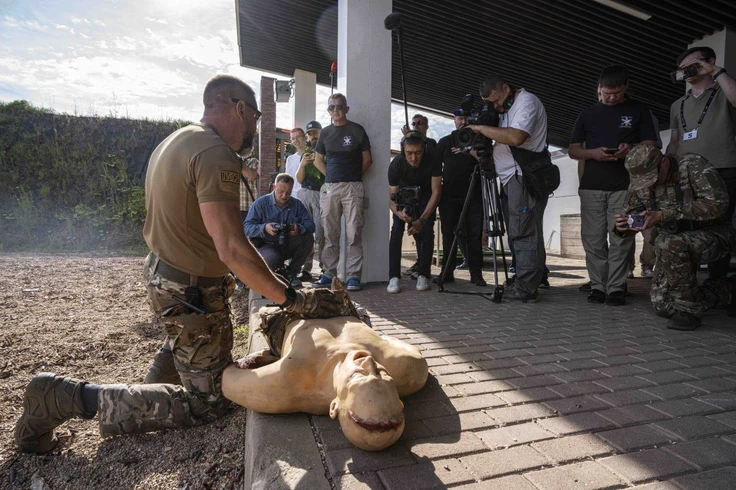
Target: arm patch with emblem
[(228, 176)]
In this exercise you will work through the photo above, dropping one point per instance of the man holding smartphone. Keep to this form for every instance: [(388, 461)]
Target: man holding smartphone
[(609, 129)]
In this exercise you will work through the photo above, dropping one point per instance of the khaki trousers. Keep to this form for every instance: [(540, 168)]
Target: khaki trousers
[(338, 199)]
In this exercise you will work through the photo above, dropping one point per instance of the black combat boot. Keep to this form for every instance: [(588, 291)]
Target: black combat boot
[(683, 321), (49, 401)]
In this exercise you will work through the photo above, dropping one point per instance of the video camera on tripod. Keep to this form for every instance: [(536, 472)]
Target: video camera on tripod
[(483, 115), (407, 200)]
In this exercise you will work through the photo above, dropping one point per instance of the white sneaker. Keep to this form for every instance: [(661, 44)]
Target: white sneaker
[(393, 286), (422, 283)]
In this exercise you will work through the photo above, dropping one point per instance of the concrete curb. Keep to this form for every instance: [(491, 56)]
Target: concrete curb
[(280, 450)]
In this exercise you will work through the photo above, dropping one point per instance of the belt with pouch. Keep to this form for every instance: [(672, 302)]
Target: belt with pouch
[(173, 274)]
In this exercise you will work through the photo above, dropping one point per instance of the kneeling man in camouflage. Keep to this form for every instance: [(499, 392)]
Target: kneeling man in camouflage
[(686, 199)]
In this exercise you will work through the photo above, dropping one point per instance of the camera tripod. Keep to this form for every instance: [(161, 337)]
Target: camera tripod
[(494, 224)]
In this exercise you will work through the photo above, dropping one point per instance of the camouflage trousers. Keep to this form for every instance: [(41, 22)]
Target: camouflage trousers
[(675, 285), (202, 348)]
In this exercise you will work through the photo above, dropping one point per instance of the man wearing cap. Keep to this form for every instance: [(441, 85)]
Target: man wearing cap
[(343, 155), (703, 122), (311, 181), (457, 170), (686, 199), (194, 232)]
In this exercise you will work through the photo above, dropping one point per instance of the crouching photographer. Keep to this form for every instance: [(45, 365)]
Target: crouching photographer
[(520, 151), (415, 188), (281, 229), (686, 199)]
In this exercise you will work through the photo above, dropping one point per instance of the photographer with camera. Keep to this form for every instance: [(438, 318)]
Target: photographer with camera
[(457, 169), (703, 122), (415, 188), (281, 229), (522, 131), (608, 129), (687, 200)]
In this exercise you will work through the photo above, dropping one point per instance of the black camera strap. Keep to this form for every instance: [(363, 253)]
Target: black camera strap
[(702, 115), (247, 187)]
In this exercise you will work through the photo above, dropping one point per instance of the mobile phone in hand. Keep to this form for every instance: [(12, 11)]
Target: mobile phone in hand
[(611, 151)]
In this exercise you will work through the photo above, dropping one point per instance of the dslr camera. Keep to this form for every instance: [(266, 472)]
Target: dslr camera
[(483, 115), (407, 200), (283, 230)]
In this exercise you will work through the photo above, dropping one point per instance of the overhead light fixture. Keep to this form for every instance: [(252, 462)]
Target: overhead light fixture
[(627, 9)]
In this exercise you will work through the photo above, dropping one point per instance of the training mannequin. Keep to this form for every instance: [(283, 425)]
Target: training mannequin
[(338, 366)]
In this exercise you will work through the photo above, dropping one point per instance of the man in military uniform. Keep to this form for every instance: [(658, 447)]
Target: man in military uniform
[(194, 232), (686, 199)]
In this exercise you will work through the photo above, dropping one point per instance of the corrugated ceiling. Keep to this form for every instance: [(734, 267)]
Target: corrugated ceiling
[(553, 48)]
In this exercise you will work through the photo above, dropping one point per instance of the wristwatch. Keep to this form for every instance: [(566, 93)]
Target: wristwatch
[(718, 73), (290, 294)]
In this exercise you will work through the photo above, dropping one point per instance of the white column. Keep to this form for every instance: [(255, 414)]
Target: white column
[(305, 98), (364, 76)]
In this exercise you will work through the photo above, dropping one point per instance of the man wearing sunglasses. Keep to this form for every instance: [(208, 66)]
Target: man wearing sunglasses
[(703, 122), (342, 154), (194, 232)]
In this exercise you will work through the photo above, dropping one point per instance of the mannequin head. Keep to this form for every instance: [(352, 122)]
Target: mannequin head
[(367, 404)]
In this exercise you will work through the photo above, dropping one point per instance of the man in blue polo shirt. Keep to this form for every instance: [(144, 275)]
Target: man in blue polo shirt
[(281, 229)]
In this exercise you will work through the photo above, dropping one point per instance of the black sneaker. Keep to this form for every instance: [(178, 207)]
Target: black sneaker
[(544, 284), (412, 270), (513, 294), (478, 281), (586, 287), (597, 296), (616, 298), (683, 321), (305, 277), (463, 265)]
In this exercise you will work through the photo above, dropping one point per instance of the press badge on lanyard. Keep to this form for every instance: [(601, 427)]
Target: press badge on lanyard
[(691, 135)]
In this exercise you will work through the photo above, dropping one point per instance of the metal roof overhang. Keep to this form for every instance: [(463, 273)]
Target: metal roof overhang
[(553, 48)]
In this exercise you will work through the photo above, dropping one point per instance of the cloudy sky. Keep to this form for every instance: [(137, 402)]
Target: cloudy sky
[(134, 58)]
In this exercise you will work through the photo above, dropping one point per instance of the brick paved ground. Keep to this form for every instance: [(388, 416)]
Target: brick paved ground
[(561, 394)]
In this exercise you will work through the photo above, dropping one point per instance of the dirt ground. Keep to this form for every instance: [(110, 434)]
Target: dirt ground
[(88, 317)]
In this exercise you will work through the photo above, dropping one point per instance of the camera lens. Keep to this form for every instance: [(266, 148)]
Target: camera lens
[(465, 137)]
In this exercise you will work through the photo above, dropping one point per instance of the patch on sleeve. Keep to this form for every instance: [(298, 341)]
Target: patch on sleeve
[(228, 176)]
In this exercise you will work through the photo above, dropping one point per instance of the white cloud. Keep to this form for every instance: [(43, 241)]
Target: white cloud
[(158, 21), (32, 25), (77, 20)]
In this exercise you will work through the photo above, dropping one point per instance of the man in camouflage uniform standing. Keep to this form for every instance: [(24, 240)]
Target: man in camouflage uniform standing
[(195, 235), (686, 199)]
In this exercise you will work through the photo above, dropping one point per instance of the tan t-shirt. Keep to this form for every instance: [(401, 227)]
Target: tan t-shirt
[(193, 165)]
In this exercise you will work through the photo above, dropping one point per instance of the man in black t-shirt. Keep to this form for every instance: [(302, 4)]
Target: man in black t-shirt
[(414, 167), (457, 170), (342, 154), (609, 129)]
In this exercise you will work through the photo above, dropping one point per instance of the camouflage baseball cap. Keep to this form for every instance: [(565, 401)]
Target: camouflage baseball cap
[(642, 163)]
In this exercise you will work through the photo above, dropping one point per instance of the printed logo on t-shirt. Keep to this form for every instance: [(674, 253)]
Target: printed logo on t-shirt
[(626, 121), (347, 140), (227, 176)]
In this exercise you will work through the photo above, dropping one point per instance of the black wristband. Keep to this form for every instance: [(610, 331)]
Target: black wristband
[(718, 73), (290, 294)]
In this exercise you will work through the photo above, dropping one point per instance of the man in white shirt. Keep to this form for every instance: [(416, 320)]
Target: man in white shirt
[(299, 140), (523, 124)]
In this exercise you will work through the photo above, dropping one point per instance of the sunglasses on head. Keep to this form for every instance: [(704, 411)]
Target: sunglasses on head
[(335, 107)]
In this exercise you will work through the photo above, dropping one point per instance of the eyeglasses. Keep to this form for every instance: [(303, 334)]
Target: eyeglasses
[(335, 107), (257, 114)]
